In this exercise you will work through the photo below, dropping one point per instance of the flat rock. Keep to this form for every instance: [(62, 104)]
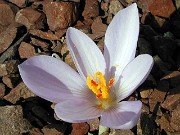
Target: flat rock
[(44, 35), (121, 132), (54, 129), (7, 37), (153, 98), (145, 92), (79, 128), (30, 18), (164, 124), (162, 8), (26, 50), (60, 15), (39, 43), (19, 3), (35, 131), (172, 100), (175, 124), (9, 67), (6, 14), (61, 32), (12, 122), (98, 26), (91, 9), (20, 91)]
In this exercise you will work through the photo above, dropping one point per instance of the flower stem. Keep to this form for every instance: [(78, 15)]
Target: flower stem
[(102, 129)]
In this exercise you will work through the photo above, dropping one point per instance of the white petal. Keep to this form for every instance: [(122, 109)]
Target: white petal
[(85, 53), (121, 39), (124, 116), (76, 110), (134, 74), (52, 79)]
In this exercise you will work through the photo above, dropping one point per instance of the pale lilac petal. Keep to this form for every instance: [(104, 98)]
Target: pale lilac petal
[(76, 110), (123, 116), (121, 39), (134, 74), (85, 53), (51, 79)]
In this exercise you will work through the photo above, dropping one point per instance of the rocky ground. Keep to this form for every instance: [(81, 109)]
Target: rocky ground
[(36, 27)]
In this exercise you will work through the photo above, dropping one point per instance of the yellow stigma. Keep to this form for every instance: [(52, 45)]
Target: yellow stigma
[(99, 86)]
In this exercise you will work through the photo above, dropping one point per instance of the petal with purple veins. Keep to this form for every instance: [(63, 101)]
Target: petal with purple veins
[(121, 40), (76, 110), (52, 79), (134, 74), (85, 53), (124, 116)]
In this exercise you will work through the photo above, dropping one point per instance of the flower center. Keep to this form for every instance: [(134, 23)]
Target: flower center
[(101, 89)]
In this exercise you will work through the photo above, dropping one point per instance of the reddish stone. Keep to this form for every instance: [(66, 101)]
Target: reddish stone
[(61, 32), (164, 124), (91, 9), (175, 119), (30, 18), (60, 15), (130, 1), (6, 14), (58, 47), (84, 28), (98, 26), (96, 36), (145, 92), (88, 21), (7, 37), (20, 91), (153, 98), (162, 8), (2, 90), (9, 67), (35, 131), (19, 3), (38, 42), (44, 35), (26, 50), (172, 99), (54, 129), (79, 129)]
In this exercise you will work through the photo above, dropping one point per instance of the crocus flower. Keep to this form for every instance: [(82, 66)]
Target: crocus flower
[(102, 81)]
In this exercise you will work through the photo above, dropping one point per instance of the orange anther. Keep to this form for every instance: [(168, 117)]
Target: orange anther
[(94, 83), (99, 95)]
